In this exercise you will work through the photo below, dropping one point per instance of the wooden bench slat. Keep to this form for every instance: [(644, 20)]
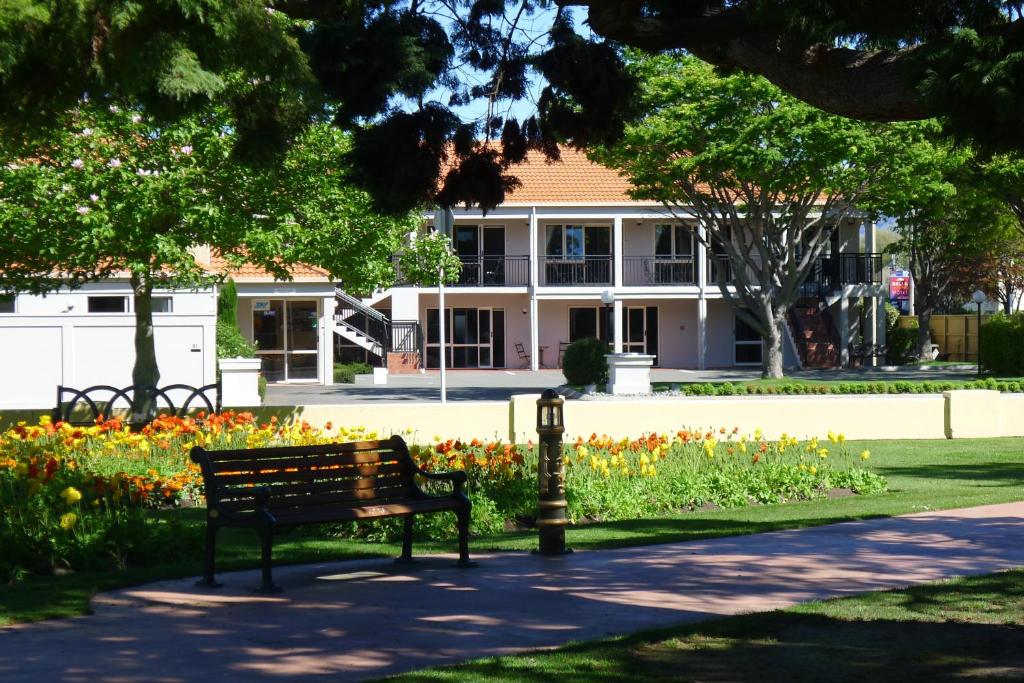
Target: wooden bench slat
[(368, 511), (292, 451), (283, 476), (328, 486), (399, 489), (361, 458)]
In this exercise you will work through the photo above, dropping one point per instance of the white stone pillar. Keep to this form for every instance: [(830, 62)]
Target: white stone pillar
[(617, 252), (239, 382), (617, 325), (326, 354)]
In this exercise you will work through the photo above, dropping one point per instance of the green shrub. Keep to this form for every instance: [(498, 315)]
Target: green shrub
[(345, 373), (1002, 344), (900, 344), (230, 342), (584, 362)]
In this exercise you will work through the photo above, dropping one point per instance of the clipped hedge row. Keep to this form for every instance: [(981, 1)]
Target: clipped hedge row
[(895, 387), (1002, 344)]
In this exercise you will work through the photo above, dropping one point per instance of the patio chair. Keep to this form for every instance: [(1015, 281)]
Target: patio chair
[(523, 355), (562, 346)]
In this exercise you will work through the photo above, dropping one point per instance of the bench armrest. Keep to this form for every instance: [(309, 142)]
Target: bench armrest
[(456, 477)]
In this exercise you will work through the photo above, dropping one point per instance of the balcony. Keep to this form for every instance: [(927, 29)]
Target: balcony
[(829, 273), (657, 271), (582, 271), (494, 271), (719, 263)]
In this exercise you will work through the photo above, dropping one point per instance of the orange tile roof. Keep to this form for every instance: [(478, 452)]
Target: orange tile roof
[(574, 179), (253, 273)]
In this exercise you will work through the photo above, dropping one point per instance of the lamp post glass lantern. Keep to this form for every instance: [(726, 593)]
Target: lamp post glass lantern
[(979, 298), (551, 503), (608, 298)]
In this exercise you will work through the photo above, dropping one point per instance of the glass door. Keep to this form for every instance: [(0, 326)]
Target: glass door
[(640, 333), (287, 336), (302, 340), (494, 255), (467, 247), (476, 338)]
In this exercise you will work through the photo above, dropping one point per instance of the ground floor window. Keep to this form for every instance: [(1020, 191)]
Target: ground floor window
[(474, 338), (286, 334), (749, 345), (639, 327)]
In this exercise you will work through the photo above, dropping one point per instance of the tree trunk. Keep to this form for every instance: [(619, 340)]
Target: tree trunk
[(771, 368), (924, 333), (145, 373)]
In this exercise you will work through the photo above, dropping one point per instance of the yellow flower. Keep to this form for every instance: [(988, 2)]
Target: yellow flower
[(822, 453), (865, 454), (71, 495), (652, 470), (581, 451), (68, 521), (757, 434), (841, 438), (812, 469), (832, 436)]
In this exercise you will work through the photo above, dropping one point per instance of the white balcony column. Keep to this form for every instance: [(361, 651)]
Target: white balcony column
[(702, 331), (871, 333), (534, 331), (617, 325), (617, 254), (702, 259), (534, 250)]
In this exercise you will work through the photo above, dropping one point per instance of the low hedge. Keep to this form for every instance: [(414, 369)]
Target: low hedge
[(1002, 344), (345, 373), (841, 388)]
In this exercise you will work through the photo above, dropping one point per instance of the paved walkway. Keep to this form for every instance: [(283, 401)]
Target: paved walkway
[(347, 621), (500, 385)]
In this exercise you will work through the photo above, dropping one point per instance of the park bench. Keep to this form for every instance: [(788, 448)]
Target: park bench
[(864, 353), (267, 489)]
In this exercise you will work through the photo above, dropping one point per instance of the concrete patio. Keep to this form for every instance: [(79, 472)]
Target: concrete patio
[(356, 620)]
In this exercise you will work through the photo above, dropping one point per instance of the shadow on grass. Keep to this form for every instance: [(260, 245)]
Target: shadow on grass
[(992, 474), (934, 632)]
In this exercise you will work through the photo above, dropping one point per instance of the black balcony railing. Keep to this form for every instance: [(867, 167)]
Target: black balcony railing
[(494, 271), (566, 272), (832, 272), (657, 270), (719, 264)]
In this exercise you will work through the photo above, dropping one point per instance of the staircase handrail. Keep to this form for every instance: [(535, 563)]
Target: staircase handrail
[(359, 307)]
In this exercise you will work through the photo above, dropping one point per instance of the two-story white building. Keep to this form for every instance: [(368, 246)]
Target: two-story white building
[(535, 270)]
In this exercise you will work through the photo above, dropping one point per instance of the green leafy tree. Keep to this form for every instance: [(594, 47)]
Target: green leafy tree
[(767, 176), (949, 224), (428, 259), (113, 191)]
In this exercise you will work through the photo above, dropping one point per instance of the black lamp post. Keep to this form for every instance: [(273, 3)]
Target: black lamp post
[(551, 503), (979, 298)]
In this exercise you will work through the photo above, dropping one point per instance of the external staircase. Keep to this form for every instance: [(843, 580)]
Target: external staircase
[(813, 330), (359, 323)]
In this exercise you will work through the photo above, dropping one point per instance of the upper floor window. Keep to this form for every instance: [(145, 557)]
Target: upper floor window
[(6, 303), (673, 241), (108, 304), (574, 242)]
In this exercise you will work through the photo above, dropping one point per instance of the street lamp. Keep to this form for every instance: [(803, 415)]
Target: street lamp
[(979, 298), (551, 503), (608, 298)]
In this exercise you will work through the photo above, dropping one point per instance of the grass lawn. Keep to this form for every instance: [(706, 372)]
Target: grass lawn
[(965, 629), (922, 475)]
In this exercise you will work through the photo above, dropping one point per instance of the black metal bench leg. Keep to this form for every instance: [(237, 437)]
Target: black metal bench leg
[(463, 516), (406, 557), (266, 545), (208, 580)]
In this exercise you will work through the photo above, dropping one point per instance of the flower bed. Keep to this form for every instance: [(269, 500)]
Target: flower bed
[(91, 498)]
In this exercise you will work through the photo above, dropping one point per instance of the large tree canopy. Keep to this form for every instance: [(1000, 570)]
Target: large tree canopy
[(408, 66), (767, 177), (111, 191)]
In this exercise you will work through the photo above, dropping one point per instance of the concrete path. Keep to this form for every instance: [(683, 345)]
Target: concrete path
[(500, 385), (346, 621)]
